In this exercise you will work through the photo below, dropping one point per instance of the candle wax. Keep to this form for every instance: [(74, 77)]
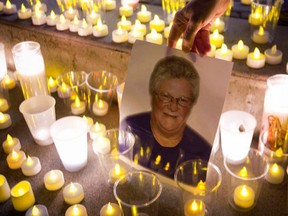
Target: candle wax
[(71, 13), (224, 53), (78, 107), (52, 19), (39, 18), (273, 56), (15, 159), (100, 30), (73, 193), (255, 59), (31, 166), (275, 174), (37, 210), (244, 196), (100, 107), (157, 24), (124, 24), (118, 36), (126, 11), (73, 26), (240, 51), (96, 130), (62, 24), (11, 143), (110, 5), (216, 39), (4, 189), (260, 36), (194, 207), (139, 27), (54, 180), (101, 145), (154, 37), (77, 209), (143, 15)]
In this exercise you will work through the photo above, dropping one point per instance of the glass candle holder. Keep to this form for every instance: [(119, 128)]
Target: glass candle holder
[(246, 180), (198, 181), (29, 64), (170, 7), (115, 151), (138, 193), (120, 90), (101, 90)]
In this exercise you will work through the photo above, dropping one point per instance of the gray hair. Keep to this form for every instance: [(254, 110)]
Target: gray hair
[(175, 67)]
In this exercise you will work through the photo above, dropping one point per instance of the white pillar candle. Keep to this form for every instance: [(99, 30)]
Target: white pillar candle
[(76, 210), (126, 11), (275, 174), (71, 13), (62, 24), (194, 207), (273, 56), (115, 173), (157, 24), (101, 145), (38, 18), (52, 19), (73, 193), (154, 37), (216, 39), (37, 210), (224, 53), (211, 53), (217, 24), (100, 107), (5, 120), (54, 180), (92, 17), (119, 35), (11, 143), (255, 59), (239, 50), (52, 85), (4, 189), (73, 26), (135, 35), (244, 196), (4, 106), (110, 5), (78, 107), (9, 8), (144, 15), (96, 130), (15, 159), (260, 36), (31, 166), (24, 13), (64, 91), (167, 30), (8, 82), (100, 30), (84, 29), (89, 122), (22, 196), (110, 209), (138, 26), (124, 24)]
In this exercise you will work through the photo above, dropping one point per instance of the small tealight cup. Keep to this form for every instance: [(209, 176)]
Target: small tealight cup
[(39, 114), (4, 189)]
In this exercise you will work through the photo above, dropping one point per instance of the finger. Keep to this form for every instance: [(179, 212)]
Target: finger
[(202, 42), (189, 36)]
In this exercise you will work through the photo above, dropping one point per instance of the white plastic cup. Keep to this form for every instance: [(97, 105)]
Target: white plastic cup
[(70, 138), (39, 114)]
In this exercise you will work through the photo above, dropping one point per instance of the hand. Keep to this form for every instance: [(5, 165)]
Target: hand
[(194, 21)]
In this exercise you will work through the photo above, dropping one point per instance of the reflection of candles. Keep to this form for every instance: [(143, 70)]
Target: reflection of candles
[(167, 30), (4, 189), (217, 24), (96, 130), (5, 120), (211, 53), (116, 173), (135, 35), (273, 56), (194, 207), (71, 13), (78, 107), (37, 210), (240, 51), (31, 166), (73, 26), (22, 196), (255, 18), (216, 39), (24, 13), (154, 37), (126, 11), (138, 26), (73, 193), (52, 19), (54, 180), (76, 210), (157, 24), (89, 122), (119, 35), (243, 172), (39, 17), (224, 53), (244, 196), (62, 24), (124, 24), (275, 174), (100, 30), (261, 36), (64, 90), (9, 8), (92, 17), (52, 85), (110, 209), (101, 145), (143, 15), (110, 5), (15, 159), (4, 106), (11, 143), (255, 59), (8, 82), (84, 29)]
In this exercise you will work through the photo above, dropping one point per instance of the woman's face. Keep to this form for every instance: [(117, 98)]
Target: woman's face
[(169, 118)]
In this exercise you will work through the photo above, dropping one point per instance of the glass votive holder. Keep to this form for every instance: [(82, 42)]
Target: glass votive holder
[(138, 193), (70, 138), (72, 89), (120, 89), (170, 7), (101, 88), (198, 181), (115, 152), (236, 132), (246, 180)]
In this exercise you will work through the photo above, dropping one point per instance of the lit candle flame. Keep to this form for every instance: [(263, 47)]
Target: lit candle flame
[(215, 34), (274, 49), (217, 21), (77, 101), (244, 191), (123, 19), (243, 172), (8, 4), (224, 49), (153, 32), (52, 175), (35, 211), (38, 12), (75, 210), (256, 53), (23, 8), (156, 18), (158, 159), (64, 87), (261, 31), (15, 155), (52, 16), (240, 45), (72, 188), (9, 139), (7, 79), (143, 8), (29, 161), (119, 30), (76, 20), (2, 117), (110, 209), (99, 23), (62, 19), (275, 168), (117, 169), (70, 10), (84, 24)]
